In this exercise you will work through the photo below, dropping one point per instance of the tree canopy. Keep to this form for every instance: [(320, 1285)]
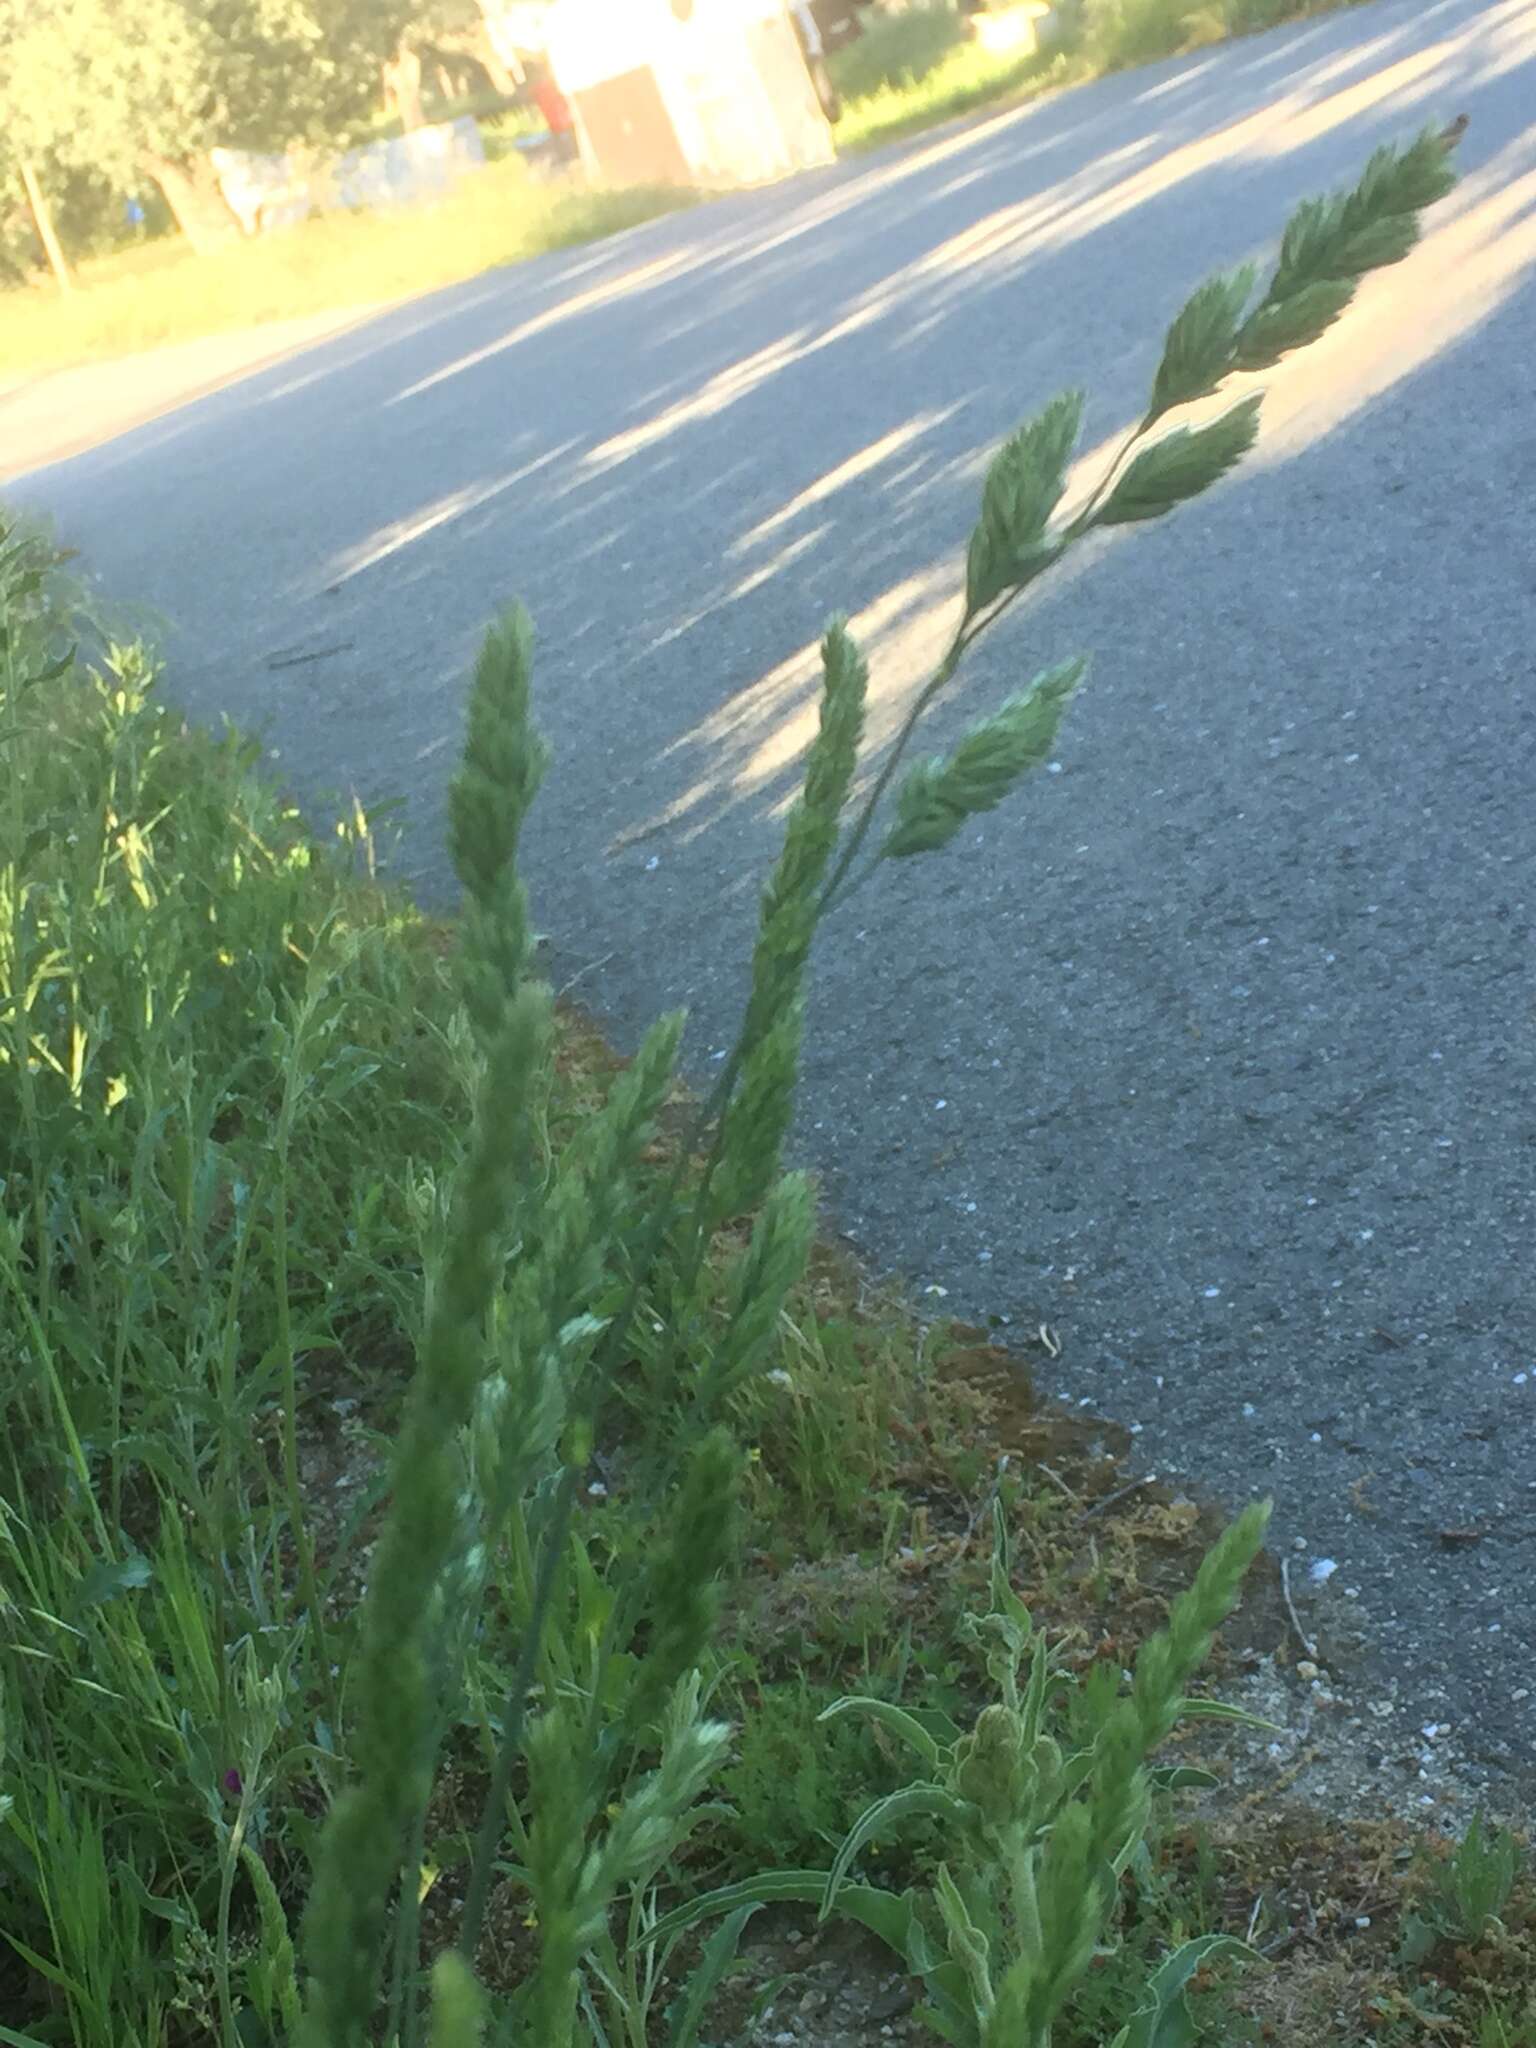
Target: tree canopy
[(129, 87)]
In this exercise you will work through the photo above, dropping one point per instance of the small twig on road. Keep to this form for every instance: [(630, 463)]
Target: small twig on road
[(1290, 1607), (1120, 1493), (581, 974), (985, 1502), (1056, 1478)]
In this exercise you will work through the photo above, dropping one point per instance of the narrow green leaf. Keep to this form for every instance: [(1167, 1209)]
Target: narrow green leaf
[(772, 1888), (885, 1914), (1004, 1599), (884, 1814), (1181, 1778), (891, 1917), (52, 1972), (104, 1581), (1200, 1708), (171, 1910), (54, 669), (901, 1722), (719, 1953), (1163, 2020)]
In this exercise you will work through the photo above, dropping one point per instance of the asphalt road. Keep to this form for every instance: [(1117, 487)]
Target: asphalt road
[(1214, 1052)]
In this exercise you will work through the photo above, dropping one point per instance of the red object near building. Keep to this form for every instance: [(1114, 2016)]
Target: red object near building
[(551, 103)]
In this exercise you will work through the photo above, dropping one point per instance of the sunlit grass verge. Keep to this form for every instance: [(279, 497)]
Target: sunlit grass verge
[(914, 70), (164, 293), (922, 70)]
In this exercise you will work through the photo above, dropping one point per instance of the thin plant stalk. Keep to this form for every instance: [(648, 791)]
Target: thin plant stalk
[(297, 1517)]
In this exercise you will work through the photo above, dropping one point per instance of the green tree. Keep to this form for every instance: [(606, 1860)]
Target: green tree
[(129, 88)]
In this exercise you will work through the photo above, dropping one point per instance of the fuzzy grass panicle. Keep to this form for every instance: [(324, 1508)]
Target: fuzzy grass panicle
[(1036, 1888)]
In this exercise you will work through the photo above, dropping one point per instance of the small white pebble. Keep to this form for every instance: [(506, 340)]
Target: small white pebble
[(1316, 1438), (653, 863), (941, 1103), (1362, 1919), (1322, 1571), (1053, 767), (597, 1490), (1213, 1294), (1249, 1409), (1521, 1378), (1433, 1730)]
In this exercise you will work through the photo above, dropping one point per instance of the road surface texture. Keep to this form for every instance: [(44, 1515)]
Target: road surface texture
[(47, 415), (1214, 1051)]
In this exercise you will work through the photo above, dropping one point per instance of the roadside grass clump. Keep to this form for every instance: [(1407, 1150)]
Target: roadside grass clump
[(1115, 35), (1042, 1805), (1464, 1894), (921, 66), (910, 70), (897, 50), (333, 1716)]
